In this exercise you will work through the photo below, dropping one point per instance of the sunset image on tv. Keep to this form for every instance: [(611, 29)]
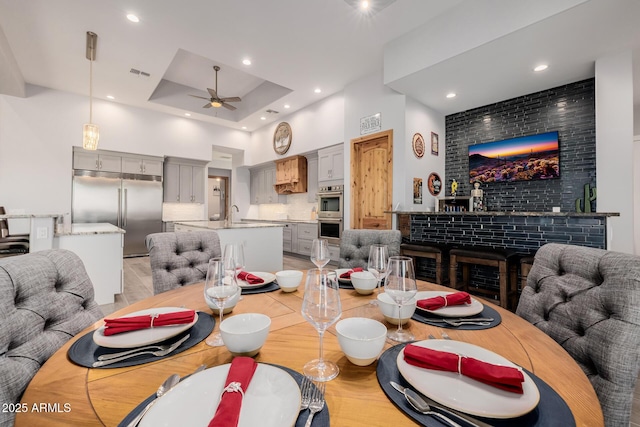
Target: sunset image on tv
[(525, 158)]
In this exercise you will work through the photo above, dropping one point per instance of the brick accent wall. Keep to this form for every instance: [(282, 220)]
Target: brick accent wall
[(569, 109)]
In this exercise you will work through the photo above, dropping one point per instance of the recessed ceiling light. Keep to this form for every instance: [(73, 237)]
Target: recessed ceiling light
[(246, 61), (244, 127), (541, 67), (263, 118), (133, 18), (364, 4), (187, 114), (287, 106), (111, 97), (451, 95), (318, 90)]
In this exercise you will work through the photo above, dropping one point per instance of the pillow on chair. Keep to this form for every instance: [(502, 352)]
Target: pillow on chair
[(46, 298), (588, 300)]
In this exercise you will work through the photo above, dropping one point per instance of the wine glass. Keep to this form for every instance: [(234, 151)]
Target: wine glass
[(218, 289), (377, 265), (233, 260), (401, 287), (321, 307), (320, 252)]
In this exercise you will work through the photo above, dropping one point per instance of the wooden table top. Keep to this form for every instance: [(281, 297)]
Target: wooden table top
[(103, 397)]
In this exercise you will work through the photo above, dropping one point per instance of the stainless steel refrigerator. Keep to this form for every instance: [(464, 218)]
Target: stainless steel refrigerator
[(131, 202)]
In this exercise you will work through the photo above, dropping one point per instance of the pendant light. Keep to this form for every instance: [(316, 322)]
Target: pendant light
[(90, 131)]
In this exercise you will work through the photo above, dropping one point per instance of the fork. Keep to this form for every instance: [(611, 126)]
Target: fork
[(159, 353), (155, 347), (465, 322), (305, 390), (317, 403)]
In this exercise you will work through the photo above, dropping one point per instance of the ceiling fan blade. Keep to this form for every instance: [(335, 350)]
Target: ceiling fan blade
[(232, 99), (212, 93), (207, 105), (196, 96), (228, 106)]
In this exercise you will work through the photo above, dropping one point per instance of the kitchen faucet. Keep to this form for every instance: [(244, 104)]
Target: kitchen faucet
[(229, 218)]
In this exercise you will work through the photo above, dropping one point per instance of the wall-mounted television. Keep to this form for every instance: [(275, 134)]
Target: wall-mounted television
[(525, 158)]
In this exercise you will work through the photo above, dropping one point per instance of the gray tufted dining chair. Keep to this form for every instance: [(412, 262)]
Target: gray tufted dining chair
[(180, 258), (46, 298), (588, 300), (354, 245)]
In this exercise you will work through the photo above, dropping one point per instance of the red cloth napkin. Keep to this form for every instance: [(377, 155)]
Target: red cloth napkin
[(457, 298), (503, 377), (228, 412), (347, 274), (251, 279), (133, 323)]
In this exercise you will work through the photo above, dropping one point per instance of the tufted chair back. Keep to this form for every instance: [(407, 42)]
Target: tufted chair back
[(354, 245), (46, 298), (181, 258), (588, 300)]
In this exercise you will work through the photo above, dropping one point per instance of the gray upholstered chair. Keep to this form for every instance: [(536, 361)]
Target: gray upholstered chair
[(588, 300), (181, 258), (354, 245), (46, 298)]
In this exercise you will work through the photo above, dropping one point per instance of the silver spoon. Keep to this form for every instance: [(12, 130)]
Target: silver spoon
[(421, 406), (164, 387)]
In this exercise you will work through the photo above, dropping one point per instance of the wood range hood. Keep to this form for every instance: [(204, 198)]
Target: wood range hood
[(291, 175)]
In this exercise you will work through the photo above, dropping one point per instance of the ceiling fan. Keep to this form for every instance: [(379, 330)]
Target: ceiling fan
[(215, 100)]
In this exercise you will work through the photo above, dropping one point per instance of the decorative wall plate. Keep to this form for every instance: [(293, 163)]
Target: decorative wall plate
[(418, 145), (434, 183), (282, 138)]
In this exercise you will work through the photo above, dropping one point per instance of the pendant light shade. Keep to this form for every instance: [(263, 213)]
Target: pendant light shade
[(90, 131)]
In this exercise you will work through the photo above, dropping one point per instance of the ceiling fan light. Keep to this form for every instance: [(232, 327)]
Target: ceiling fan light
[(216, 104), (90, 136)]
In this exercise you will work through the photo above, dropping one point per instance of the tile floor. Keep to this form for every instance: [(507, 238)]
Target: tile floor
[(138, 286)]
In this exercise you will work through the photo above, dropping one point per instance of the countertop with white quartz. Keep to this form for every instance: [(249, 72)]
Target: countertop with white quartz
[(91, 228), (222, 225)]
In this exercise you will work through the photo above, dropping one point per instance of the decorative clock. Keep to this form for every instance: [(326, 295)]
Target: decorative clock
[(282, 138)]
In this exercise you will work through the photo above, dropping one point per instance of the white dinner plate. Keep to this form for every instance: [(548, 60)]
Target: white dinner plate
[(143, 336), (452, 311), (465, 394), (271, 400), (340, 271), (266, 277)]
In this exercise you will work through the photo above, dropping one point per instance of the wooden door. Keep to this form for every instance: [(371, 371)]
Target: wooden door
[(372, 181)]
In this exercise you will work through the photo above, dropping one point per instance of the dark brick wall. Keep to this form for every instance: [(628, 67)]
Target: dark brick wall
[(569, 109)]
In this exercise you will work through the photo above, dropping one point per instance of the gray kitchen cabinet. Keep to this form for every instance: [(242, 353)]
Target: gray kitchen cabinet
[(184, 180), (312, 179), (331, 163), (97, 160), (289, 242), (306, 234), (334, 253), (142, 165), (261, 186)]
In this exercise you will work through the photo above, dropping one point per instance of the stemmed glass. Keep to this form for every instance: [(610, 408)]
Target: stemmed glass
[(218, 289), (233, 260), (377, 265), (401, 287), (320, 252), (321, 307)]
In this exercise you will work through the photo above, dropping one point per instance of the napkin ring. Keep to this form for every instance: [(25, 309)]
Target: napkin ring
[(232, 387), (153, 317)]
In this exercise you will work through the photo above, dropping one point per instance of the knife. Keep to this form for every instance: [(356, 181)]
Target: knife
[(450, 412)]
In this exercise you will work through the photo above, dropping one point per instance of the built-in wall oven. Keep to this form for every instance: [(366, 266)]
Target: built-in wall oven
[(330, 213)]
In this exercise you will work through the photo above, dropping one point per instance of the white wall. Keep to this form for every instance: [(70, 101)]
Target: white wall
[(364, 98), (37, 134), (423, 120), (614, 146)]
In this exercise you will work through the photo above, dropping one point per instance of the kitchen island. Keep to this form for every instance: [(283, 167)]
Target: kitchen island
[(262, 241)]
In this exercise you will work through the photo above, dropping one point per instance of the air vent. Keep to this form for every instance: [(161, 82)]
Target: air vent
[(270, 111), (139, 73)]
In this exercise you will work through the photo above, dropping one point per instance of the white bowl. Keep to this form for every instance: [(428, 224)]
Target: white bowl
[(228, 304), (361, 339), (245, 334), (364, 282), (289, 280), (389, 309)]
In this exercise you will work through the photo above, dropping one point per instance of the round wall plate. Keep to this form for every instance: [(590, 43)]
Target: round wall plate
[(418, 145), (282, 138), (434, 184)]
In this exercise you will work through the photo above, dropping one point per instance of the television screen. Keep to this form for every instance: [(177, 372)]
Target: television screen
[(524, 158)]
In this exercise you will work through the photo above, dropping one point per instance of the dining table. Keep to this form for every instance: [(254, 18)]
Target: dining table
[(73, 395)]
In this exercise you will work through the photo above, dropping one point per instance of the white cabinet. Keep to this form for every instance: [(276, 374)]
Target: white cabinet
[(96, 160), (261, 186), (142, 165), (331, 163), (184, 180), (312, 179)]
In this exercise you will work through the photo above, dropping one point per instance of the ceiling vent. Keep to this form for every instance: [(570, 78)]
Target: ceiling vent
[(270, 111), (139, 73)]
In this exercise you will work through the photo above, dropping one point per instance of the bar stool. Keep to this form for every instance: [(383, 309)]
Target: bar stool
[(507, 272), (525, 266), (424, 251)]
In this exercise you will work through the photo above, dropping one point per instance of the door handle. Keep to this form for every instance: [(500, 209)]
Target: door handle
[(124, 217), (119, 220)]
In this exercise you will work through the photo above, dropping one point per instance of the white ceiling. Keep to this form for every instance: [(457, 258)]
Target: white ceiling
[(295, 46)]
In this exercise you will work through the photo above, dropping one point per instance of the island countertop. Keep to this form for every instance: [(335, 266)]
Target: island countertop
[(91, 228), (222, 225)]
